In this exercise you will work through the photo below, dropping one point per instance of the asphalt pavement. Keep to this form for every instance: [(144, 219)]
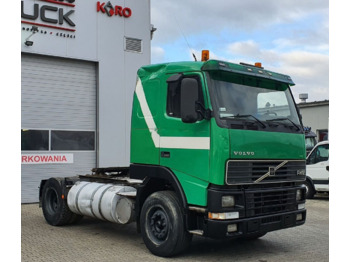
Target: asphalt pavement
[(93, 240)]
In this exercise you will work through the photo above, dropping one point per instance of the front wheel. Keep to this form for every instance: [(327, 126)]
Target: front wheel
[(162, 225)]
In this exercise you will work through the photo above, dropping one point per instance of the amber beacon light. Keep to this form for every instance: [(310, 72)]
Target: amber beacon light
[(205, 55)]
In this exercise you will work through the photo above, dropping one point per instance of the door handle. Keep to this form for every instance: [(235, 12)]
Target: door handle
[(165, 154), (327, 168)]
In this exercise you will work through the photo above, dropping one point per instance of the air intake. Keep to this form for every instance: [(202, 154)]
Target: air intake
[(133, 45)]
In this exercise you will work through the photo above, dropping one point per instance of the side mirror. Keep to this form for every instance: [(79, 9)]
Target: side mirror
[(189, 96)]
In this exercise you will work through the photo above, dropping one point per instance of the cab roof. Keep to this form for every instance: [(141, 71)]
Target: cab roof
[(211, 65)]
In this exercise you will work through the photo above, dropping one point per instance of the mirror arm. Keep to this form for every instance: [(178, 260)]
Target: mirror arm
[(205, 113)]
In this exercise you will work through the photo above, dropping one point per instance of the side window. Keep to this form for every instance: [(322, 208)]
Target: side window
[(173, 99), (320, 154), (173, 107)]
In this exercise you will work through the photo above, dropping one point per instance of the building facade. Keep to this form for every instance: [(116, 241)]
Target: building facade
[(78, 70), (316, 115)]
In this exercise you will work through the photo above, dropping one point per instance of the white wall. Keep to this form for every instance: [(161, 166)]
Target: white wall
[(100, 38), (316, 117)]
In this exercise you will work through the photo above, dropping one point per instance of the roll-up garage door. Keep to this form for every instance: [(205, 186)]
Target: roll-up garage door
[(58, 120)]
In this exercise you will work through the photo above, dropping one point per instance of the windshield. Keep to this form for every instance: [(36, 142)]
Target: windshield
[(239, 101)]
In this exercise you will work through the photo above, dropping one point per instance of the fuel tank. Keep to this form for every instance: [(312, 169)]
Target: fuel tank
[(102, 201)]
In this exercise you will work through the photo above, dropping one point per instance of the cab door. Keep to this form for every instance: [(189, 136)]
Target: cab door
[(317, 167), (184, 147)]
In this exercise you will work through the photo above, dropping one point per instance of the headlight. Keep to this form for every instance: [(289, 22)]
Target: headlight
[(223, 216), (227, 201)]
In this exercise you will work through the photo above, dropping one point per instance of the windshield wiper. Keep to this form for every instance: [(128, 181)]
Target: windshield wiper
[(284, 118), (242, 116)]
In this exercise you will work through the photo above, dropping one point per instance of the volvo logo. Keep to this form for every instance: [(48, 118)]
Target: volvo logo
[(271, 172)]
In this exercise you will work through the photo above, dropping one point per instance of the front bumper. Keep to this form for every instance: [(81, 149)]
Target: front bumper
[(257, 210), (219, 229)]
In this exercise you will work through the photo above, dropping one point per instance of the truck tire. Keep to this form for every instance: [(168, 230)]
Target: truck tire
[(310, 191), (55, 208), (162, 225)]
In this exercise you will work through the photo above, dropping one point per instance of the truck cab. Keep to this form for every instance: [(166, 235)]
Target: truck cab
[(230, 135)]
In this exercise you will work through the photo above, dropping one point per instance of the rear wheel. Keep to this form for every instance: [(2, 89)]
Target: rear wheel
[(55, 208), (162, 225)]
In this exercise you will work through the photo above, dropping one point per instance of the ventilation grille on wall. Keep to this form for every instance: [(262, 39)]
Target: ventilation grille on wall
[(133, 45)]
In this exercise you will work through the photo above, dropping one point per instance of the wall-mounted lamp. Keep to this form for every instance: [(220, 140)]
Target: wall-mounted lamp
[(153, 29), (34, 30)]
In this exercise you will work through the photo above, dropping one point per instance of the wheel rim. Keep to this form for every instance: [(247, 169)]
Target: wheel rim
[(52, 203), (158, 225)]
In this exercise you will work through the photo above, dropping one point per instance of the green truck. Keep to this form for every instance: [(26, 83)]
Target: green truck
[(217, 150)]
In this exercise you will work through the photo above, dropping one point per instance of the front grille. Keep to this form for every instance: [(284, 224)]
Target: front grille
[(269, 202), (248, 171)]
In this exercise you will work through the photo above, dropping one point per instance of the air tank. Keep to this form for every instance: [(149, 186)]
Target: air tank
[(102, 201)]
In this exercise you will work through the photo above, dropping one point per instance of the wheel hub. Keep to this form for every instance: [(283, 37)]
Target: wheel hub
[(159, 225), (52, 205)]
